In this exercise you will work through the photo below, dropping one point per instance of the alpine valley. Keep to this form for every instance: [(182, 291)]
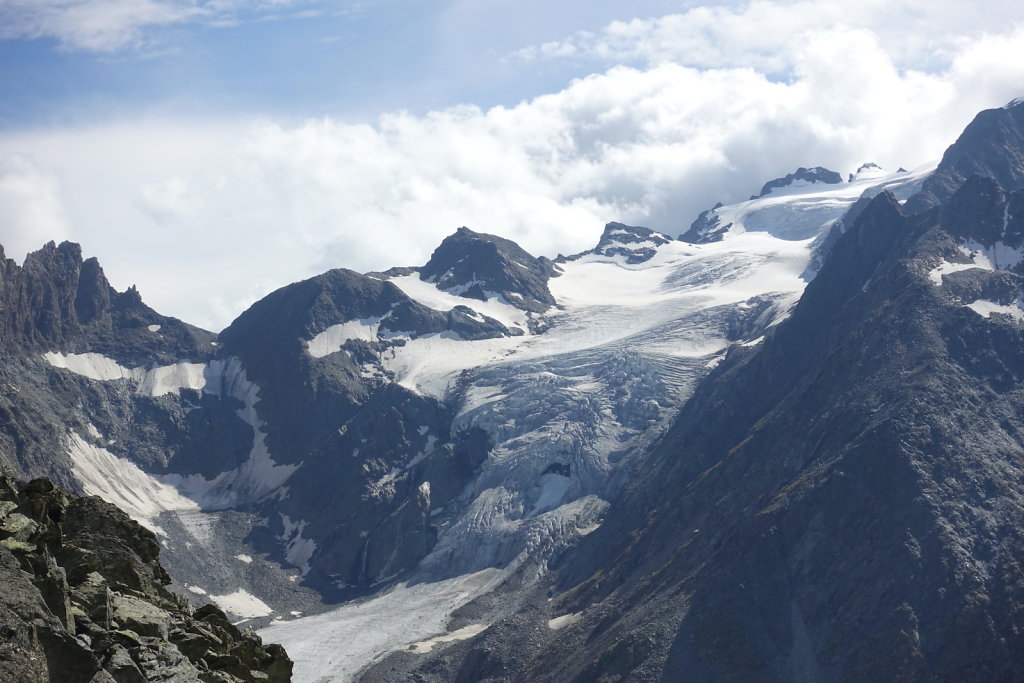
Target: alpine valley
[(787, 445)]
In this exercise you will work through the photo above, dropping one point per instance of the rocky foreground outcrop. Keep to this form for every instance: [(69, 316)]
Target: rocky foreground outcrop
[(83, 598)]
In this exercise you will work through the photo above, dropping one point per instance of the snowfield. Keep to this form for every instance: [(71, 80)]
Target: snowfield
[(333, 646)]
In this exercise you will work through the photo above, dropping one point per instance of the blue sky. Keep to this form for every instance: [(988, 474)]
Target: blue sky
[(210, 151), (347, 59)]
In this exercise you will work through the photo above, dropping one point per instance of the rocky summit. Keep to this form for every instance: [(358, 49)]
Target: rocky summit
[(84, 599)]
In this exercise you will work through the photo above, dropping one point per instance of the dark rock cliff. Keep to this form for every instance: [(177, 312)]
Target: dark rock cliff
[(476, 265), (58, 301)]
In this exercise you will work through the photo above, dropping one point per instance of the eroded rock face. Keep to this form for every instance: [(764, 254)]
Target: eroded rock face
[(478, 266), (84, 599), (57, 300)]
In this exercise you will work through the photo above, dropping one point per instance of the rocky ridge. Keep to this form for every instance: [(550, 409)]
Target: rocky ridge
[(84, 599)]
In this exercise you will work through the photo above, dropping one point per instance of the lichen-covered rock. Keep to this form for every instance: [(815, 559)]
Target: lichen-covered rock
[(142, 617), (84, 601)]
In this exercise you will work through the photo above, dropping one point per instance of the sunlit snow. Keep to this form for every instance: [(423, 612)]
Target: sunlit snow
[(986, 308), (335, 645), (242, 604), (121, 482), (428, 294)]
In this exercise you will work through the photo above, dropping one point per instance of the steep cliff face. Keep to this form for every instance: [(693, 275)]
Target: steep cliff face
[(57, 300), (84, 599), (992, 145)]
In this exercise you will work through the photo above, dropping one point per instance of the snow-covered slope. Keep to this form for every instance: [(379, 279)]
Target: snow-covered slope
[(800, 210)]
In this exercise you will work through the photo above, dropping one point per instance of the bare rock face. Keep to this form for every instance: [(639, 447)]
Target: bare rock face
[(57, 300), (479, 266), (992, 145), (84, 599)]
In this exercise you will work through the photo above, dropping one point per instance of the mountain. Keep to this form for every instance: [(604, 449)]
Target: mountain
[(625, 462), (839, 502), (631, 243), (802, 205)]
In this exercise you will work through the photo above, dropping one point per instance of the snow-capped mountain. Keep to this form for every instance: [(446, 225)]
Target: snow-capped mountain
[(838, 502), (442, 436)]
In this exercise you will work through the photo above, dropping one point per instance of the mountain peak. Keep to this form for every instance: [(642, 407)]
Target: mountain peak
[(632, 243), (802, 176), (55, 300), (991, 145), (481, 266), (866, 171)]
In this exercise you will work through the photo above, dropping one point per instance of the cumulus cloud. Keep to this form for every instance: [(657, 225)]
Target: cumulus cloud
[(207, 217), (773, 34), (111, 25)]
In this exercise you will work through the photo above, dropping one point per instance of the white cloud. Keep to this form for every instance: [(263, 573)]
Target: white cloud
[(31, 210), (772, 35), (111, 25), (207, 216)]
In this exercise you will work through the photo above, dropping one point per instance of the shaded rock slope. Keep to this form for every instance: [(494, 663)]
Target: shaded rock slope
[(841, 502), (83, 599)]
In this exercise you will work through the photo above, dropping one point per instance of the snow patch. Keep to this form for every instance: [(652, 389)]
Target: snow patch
[(155, 381), (431, 296), (92, 365), (242, 604), (986, 308), (123, 483), (564, 620), (464, 633), (153, 328), (335, 645), (242, 557), (298, 550), (947, 267), (334, 337), (996, 257)]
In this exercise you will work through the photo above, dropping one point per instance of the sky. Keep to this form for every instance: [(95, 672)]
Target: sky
[(210, 151)]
